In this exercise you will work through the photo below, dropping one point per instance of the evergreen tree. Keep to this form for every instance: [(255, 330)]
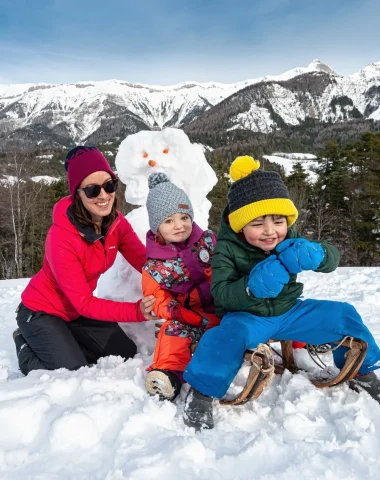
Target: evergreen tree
[(218, 195), (333, 171), (331, 199), (298, 176), (327, 160), (365, 165), (300, 191)]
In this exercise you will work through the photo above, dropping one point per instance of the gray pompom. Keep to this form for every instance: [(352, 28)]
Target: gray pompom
[(157, 178)]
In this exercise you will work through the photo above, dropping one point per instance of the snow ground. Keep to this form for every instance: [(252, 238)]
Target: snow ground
[(99, 423)]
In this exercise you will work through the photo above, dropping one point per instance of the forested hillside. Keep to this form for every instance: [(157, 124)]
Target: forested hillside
[(342, 206)]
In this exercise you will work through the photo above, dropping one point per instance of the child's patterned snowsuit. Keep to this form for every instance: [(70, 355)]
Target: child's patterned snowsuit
[(179, 277)]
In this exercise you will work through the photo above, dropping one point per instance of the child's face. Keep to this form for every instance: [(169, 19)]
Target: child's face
[(176, 228), (266, 232)]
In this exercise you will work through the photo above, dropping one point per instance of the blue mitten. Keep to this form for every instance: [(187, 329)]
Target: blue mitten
[(298, 254), (268, 278)]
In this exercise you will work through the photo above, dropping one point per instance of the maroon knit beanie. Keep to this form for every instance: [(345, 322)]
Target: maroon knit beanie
[(81, 162)]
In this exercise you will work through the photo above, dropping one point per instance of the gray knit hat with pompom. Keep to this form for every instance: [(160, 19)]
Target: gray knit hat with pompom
[(165, 199)]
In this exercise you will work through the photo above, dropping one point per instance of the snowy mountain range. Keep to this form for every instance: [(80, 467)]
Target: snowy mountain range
[(94, 112)]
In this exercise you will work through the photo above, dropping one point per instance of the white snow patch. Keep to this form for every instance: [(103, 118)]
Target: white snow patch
[(289, 160), (99, 422), (45, 179), (10, 180)]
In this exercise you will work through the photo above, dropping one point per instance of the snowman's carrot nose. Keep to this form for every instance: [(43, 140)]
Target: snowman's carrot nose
[(152, 163)]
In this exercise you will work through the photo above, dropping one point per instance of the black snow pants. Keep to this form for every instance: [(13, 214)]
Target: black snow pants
[(48, 342)]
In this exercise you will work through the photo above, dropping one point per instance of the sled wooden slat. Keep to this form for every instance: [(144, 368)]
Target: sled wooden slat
[(287, 357), (355, 356), (255, 384)]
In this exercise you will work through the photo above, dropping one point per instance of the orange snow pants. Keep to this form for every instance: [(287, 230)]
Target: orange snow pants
[(174, 340)]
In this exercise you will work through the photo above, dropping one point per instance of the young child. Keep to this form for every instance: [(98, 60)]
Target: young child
[(256, 294), (178, 273)]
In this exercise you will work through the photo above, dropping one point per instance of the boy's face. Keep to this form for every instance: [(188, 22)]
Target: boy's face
[(266, 232), (176, 228)]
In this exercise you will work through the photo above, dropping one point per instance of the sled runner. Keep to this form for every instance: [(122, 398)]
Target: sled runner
[(260, 375), (355, 355)]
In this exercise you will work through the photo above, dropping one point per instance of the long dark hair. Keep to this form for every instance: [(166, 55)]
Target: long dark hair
[(83, 216)]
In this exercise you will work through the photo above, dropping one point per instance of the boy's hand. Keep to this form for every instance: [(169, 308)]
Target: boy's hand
[(298, 254), (268, 278)]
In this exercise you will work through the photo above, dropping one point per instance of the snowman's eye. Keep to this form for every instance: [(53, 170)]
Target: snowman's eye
[(145, 155), (165, 150)]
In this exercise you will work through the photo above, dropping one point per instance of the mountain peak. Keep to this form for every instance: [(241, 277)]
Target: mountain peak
[(314, 66), (317, 65), (372, 68)]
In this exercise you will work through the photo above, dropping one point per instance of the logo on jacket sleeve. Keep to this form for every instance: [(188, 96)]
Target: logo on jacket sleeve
[(204, 256)]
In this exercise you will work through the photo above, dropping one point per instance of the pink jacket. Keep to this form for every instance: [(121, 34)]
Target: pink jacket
[(73, 262)]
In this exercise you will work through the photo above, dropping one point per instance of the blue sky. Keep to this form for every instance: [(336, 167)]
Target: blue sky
[(165, 41)]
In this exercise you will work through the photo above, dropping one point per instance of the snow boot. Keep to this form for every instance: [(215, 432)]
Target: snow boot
[(369, 383), (164, 383), (19, 340), (15, 333), (198, 410)]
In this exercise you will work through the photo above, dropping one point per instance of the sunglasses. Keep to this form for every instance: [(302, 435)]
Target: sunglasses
[(93, 191)]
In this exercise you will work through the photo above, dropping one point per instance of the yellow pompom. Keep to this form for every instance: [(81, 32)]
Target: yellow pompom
[(243, 166)]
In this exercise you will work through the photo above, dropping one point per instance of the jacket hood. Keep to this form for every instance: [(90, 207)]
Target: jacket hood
[(165, 252), (60, 217)]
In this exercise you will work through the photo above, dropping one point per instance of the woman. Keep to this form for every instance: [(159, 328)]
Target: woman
[(61, 323)]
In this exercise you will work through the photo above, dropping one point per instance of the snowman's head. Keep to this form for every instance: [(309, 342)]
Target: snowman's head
[(168, 151)]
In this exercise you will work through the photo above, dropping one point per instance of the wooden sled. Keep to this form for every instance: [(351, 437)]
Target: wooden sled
[(262, 368)]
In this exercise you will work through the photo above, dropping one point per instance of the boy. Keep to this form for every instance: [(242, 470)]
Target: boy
[(254, 285)]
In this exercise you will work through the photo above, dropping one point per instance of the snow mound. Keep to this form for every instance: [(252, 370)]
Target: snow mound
[(99, 422)]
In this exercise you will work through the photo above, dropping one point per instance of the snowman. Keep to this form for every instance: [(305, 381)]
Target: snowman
[(169, 151)]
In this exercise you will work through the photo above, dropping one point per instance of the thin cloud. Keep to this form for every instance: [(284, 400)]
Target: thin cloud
[(166, 42), (43, 52)]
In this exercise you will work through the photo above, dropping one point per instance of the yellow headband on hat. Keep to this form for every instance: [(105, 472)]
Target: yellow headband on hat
[(240, 168), (273, 206)]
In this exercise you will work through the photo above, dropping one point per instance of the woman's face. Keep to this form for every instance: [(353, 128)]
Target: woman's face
[(100, 206)]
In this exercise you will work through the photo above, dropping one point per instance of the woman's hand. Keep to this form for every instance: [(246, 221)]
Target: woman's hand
[(146, 307)]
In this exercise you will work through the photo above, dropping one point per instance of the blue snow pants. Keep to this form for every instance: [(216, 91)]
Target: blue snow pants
[(220, 352)]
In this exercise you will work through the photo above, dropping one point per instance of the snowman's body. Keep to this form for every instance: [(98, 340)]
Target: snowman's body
[(139, 155)]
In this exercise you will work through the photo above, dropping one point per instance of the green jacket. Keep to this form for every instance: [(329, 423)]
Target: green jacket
[(232, 263)]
